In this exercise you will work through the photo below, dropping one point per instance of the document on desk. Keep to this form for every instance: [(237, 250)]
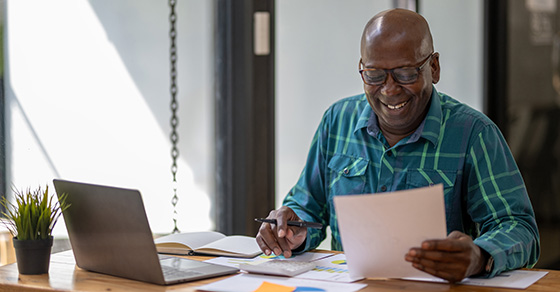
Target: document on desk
[(333, 269), (251, 282), (516, 279), (377, 230)]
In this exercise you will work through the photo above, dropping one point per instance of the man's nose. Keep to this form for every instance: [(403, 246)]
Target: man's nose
[(390, 87)]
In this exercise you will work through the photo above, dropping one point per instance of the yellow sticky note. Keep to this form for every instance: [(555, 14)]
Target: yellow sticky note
[(271, 287)]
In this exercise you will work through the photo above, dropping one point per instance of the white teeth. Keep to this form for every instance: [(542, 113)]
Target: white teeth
[(398, 106)]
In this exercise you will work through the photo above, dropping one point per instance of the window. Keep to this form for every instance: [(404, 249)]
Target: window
[(87, 99)]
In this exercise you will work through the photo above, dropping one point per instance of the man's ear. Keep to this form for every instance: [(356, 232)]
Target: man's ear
[(434, 64)]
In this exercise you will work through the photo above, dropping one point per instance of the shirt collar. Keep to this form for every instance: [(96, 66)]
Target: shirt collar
[(433, 120), (429, 129), (366, 116)]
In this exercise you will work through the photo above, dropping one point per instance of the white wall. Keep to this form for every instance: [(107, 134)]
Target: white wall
[(457, 28), (317, 53), (88, 99)]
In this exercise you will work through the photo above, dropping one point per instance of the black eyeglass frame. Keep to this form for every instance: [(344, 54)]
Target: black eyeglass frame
[(391, 71)]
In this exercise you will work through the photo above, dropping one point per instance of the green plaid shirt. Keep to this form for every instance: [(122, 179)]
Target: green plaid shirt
[(455, 145)]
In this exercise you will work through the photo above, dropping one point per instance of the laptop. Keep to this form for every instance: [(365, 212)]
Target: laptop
[(110, 234)]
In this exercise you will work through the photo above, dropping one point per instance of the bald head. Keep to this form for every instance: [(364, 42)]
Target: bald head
[(399, 39), (400, 29)]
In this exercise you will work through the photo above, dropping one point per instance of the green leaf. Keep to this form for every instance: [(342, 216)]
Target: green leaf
[(33, 215)]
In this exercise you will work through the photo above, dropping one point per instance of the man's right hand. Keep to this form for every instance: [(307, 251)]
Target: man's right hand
[(281, 238)]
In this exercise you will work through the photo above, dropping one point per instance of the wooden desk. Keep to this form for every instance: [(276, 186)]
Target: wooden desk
[(65, 276)]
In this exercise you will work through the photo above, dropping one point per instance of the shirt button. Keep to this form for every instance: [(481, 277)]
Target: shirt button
[(346, 171), (383, 188), (389, 153)]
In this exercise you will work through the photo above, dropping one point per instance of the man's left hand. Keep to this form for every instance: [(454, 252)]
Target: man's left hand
[(452, 259)]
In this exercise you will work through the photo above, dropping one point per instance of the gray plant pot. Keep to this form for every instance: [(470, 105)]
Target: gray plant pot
[(33, 256)]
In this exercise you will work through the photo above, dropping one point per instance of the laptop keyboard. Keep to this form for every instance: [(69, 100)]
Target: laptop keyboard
[(171, 273)]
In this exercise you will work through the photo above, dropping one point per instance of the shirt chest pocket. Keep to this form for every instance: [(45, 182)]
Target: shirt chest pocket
[(428, 177), (347, 175)]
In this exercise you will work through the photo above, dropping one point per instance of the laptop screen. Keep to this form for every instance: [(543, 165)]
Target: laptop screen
[(109, 233)]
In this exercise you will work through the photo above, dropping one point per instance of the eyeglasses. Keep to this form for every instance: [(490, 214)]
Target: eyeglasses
[(402, 75)]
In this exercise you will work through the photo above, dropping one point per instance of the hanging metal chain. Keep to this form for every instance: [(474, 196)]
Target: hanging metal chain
[(174, 105)]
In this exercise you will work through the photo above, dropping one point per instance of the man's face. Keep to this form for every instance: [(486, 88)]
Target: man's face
[(400, 108)]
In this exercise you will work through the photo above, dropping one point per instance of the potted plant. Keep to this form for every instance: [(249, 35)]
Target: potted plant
[(31, 220)]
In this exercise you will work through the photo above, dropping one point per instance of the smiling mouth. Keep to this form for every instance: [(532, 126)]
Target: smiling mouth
[(397, 106)]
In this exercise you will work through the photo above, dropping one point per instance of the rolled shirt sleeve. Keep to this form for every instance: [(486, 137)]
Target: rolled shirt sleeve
[(498, 202)]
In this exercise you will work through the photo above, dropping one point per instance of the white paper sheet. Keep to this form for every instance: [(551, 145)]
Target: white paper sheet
[(377, 230), (333, 268), (250, 282), (516, 279)]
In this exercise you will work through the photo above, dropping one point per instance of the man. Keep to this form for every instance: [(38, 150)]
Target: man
[(403, 134)]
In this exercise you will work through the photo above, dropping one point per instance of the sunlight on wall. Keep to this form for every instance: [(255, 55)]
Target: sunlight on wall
[(77, 110)]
